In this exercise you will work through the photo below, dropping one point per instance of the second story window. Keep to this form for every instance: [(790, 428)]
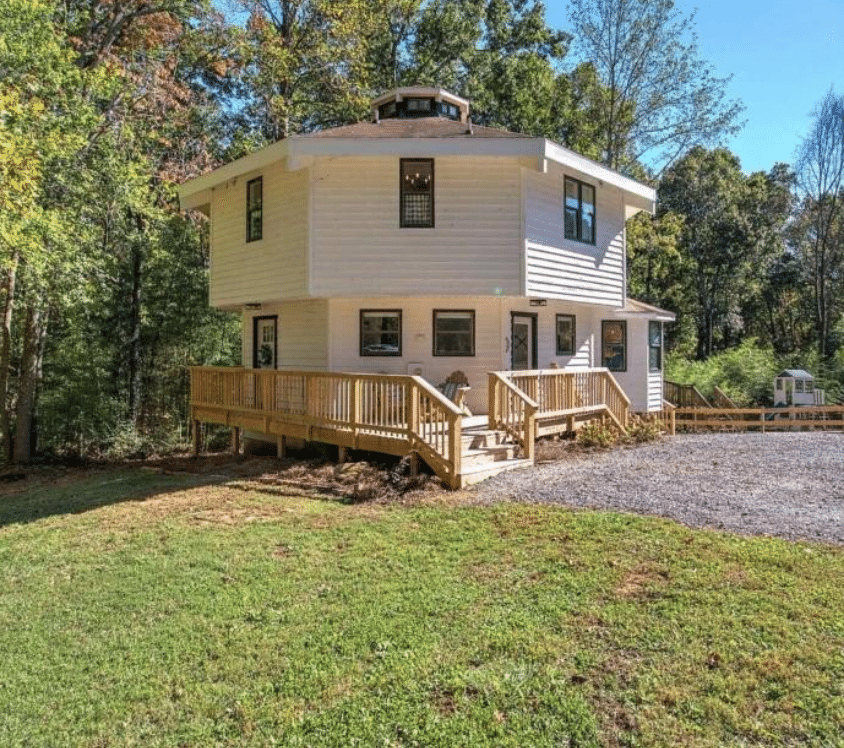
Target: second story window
[(580, 211), (417, 193), (254, 209)]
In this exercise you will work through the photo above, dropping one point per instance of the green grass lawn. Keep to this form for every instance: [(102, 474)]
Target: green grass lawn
[(139, 609)]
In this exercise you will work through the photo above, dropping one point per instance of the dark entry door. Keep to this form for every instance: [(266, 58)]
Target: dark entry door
[(265, 343), (523, 342)]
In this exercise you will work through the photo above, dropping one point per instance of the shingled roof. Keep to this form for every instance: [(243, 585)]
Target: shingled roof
[(422, 127)]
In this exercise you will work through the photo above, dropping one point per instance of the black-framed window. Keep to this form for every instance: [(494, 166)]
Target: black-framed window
[(417, 193), (655, 346), (254, 209), (418, 106), (454, 332), (614, 344), (380, 332), (565, 334), (579, 211)]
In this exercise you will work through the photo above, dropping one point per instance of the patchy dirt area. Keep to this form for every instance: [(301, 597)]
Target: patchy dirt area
[(357, 481)]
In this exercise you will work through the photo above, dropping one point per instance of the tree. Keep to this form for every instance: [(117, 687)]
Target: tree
[(661, 99), (820, 174)]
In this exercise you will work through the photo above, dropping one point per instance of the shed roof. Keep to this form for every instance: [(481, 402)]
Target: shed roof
[(795, 374)]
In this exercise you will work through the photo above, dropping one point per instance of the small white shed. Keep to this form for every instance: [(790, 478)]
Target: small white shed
[(795, 387)]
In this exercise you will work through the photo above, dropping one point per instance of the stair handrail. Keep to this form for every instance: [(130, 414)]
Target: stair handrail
[(685, 395), (512, 410)]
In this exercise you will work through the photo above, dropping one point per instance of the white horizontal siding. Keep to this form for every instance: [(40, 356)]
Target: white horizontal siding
[(559, 268), (274, 267), (358, 247), (417, 341), (655, 390), (302, 330)]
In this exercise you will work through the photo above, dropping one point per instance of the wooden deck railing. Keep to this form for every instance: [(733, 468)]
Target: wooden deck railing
[(563, 392), (684, 395), (513, 411), (395, 413)]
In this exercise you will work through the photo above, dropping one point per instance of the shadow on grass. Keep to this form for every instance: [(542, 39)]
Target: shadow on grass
[(49, 491)]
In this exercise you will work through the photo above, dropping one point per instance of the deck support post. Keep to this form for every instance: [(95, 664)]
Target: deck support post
[(195, 437), (342, 454), (413, 464), (281, 447), (235, 440)]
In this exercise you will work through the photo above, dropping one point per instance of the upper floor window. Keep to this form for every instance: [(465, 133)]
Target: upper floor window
[(254, 209), (417, 193), (614, 345), (454, 332), (580, 211), (655, 346), (380, 332), (565, 334), (418, 106)]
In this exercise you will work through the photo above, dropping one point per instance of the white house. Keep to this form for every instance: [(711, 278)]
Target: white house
[(419, 243)]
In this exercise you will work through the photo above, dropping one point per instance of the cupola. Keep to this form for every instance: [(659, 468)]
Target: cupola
[(420, 101)]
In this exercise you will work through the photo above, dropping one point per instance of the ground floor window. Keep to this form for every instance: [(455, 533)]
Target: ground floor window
[(614, 345), (565, 334), (655, 346), (380, 332), (454, 332)]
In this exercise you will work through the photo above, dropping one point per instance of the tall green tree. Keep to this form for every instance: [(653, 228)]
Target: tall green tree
[(820, 243), (661, 98)]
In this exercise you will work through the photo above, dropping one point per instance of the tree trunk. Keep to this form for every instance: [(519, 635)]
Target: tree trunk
[(9, 285), (135, 335), (33, 351)]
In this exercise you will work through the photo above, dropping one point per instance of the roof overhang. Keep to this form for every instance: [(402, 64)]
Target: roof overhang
[(634, 309), (299, 153)]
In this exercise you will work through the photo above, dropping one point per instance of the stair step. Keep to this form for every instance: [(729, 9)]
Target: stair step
[(477, 473), (484, 438), (489, 454)]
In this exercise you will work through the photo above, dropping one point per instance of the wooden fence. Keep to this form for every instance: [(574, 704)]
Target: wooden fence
[(764, 419)]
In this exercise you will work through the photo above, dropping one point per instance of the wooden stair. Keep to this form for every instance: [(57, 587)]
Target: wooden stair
[(487, 452)]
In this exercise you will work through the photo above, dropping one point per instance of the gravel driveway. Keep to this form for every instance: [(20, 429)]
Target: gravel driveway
[(785, 484)]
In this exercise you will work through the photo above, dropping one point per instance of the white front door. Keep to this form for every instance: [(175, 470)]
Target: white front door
[(523, 342), (266, 343)]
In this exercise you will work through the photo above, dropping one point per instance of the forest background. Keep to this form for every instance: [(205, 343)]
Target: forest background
[(107, 105)]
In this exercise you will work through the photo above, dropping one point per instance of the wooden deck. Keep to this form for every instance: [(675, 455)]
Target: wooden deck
[(401, 415)]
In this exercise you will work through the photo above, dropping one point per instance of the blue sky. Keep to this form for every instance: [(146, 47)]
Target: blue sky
[(784, 56)]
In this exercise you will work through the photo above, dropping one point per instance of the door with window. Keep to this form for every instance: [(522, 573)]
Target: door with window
[(265, 339), (523, 342)]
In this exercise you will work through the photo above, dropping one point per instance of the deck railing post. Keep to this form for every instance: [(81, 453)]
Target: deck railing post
[(530, 432), (455, 449), (492, 401), (412, 404), (355, 404)]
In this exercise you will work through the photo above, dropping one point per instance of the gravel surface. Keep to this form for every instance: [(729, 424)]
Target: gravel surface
[(785, 484)]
